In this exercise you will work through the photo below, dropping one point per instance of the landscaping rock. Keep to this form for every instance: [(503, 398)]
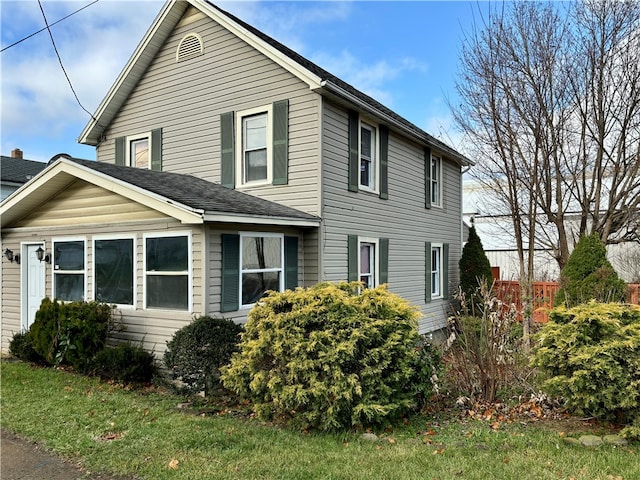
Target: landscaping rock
[(590, 440), (615, 440), (572, 441), (369, 437)]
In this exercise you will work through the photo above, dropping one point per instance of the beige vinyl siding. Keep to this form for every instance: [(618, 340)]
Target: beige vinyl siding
[(402, 218), (82, 203), (186, 100), (150, 327)]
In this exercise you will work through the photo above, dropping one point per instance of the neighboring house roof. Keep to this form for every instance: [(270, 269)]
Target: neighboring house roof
[(18, 171), (316, 77), (187, 198)]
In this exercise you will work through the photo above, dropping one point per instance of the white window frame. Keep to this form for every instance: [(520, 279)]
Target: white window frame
[(188, 272), (129, 141), (375, 161), (55, 270), (239, 118), (244, 235), (376, 259), (436, 181), (436, 270), (135, 262)]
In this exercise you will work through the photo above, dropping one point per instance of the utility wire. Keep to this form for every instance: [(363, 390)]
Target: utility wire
[(62, 66), (43, 29)]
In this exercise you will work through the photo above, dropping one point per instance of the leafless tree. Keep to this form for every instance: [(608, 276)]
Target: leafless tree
[(550, 106)]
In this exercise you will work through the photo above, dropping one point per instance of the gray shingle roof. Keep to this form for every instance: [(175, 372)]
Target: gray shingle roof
[(196, 193), (325, 75), (19, 170)]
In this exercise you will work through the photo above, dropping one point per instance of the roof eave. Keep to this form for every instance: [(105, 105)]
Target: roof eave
[(222, 217), (419, 135)]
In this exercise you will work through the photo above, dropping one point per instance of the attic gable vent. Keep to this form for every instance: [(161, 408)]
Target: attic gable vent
[(190, 46)]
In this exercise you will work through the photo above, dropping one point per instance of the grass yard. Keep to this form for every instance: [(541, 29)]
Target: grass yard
[(142, 434)]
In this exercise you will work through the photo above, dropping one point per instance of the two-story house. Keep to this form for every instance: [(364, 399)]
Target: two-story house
[(228, 165)]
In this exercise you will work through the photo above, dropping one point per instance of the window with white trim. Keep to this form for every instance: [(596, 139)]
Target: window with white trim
[(436, 270), (254, 160), (114, 270), (139, 151), (368, 156), (368, 262), (69, 271), (261, 265), (436, 181), (167, 271)]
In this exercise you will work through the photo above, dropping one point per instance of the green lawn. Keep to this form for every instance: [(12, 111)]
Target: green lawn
[(143, 435)]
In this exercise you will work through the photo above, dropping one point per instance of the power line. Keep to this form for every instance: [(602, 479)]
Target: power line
[(43, 29), (61, 65)]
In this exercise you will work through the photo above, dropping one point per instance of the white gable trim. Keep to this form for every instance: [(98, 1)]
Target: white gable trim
[(63, 172), (169, 16)]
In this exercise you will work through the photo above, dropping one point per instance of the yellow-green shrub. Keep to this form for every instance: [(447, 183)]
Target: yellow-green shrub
[(331, 356), (591, 354)]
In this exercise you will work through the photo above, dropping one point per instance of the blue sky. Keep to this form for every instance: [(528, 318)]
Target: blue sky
[(404, 54)]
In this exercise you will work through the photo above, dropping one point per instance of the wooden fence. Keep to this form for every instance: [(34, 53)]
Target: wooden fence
[(543, 296)]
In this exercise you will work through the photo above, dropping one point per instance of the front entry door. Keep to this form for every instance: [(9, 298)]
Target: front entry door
[(33, 284)]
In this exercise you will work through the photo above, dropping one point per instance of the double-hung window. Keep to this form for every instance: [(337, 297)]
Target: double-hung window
[(436, 271), (114, 270), (69, 260), (368, 162), (138, 151), (436, 181), (262, 265), (368, 262), (254, 159), (167, 275)]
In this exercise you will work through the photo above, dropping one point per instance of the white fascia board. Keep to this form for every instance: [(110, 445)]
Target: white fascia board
[(141, 58), (249, 219), (273, 53), (63, 167)]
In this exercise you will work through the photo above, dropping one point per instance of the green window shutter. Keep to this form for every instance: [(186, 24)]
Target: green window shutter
[(290, 263), (230, 296), (353, 272), (227, 155), (156, 149), (427, 177), (354, 163), (281, 142), (384, 162), (445, 270), (383, 260), (427, 267), (120, 150)]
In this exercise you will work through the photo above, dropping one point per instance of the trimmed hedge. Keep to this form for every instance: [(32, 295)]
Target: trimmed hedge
[(125, 363), (332, 356)]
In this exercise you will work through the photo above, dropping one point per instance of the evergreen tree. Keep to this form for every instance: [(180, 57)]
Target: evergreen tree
[(474, 265), (588, 275)]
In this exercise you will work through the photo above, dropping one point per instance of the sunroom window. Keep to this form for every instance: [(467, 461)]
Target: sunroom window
[(69, 270), (114, 270), (262, 265), (167, 272)]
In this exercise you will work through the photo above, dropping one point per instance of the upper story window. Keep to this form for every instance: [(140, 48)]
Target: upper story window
[(138, 151), (436, 181), (69, 260), (254, 146), (368, 157), (143, 150)]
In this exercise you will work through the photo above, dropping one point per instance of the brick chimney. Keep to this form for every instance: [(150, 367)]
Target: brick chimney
[(16, 153)]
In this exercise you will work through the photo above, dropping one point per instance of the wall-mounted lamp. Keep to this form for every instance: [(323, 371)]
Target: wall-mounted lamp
[(11, 257), (42, 256)]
